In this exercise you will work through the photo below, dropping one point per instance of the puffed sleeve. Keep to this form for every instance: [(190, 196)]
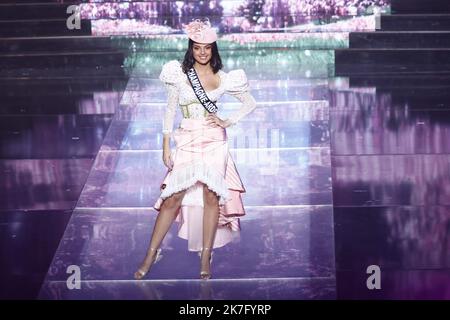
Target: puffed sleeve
[(237, 85), (171, 74)]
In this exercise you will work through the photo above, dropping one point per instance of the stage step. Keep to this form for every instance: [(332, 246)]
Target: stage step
[(56, 87), (420, 6), (53, 136), (395, 39), (41, 28), (419, 92), (58, 60), (34, 11), (56, 44), (415, 22), (422, 100), (42, 1), (391, 61), (63, 65), (393, 82), (42, 104)]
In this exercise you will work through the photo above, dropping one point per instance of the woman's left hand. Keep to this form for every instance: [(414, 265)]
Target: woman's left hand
[(213, 119)]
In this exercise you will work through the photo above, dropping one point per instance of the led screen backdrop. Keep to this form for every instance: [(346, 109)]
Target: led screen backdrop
[(251, 33), (232, 16)]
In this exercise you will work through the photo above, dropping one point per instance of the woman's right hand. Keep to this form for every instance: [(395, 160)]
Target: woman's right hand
[(167, 158)]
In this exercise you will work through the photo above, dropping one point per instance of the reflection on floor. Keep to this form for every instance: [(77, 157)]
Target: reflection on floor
[(391, 156), (391, 178), (51, 131), (388, 161)]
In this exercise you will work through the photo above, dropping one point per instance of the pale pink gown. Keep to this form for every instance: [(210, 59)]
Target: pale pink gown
[(201, 156)]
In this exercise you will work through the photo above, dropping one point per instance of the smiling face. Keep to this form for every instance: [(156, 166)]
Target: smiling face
[(202, 52)]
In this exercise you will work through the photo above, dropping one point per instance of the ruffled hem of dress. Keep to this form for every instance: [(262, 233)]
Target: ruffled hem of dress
[(184, 178)]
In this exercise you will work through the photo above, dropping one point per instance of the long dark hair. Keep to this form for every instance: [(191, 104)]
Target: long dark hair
[(188, 62)]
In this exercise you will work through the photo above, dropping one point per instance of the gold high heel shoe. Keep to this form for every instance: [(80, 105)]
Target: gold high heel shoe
[(139, 274), (205, 275)]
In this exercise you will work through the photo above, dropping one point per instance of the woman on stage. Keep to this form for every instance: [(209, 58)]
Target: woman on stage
[(202, 188)]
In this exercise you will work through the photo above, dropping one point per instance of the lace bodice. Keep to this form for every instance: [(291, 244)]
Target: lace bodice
[(181, 94)]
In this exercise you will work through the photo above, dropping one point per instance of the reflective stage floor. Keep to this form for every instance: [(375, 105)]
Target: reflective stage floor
[(340, 174), (286, 247)]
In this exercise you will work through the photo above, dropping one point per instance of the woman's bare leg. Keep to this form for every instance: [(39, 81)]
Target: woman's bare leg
[(164, 220), (210, 221)]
